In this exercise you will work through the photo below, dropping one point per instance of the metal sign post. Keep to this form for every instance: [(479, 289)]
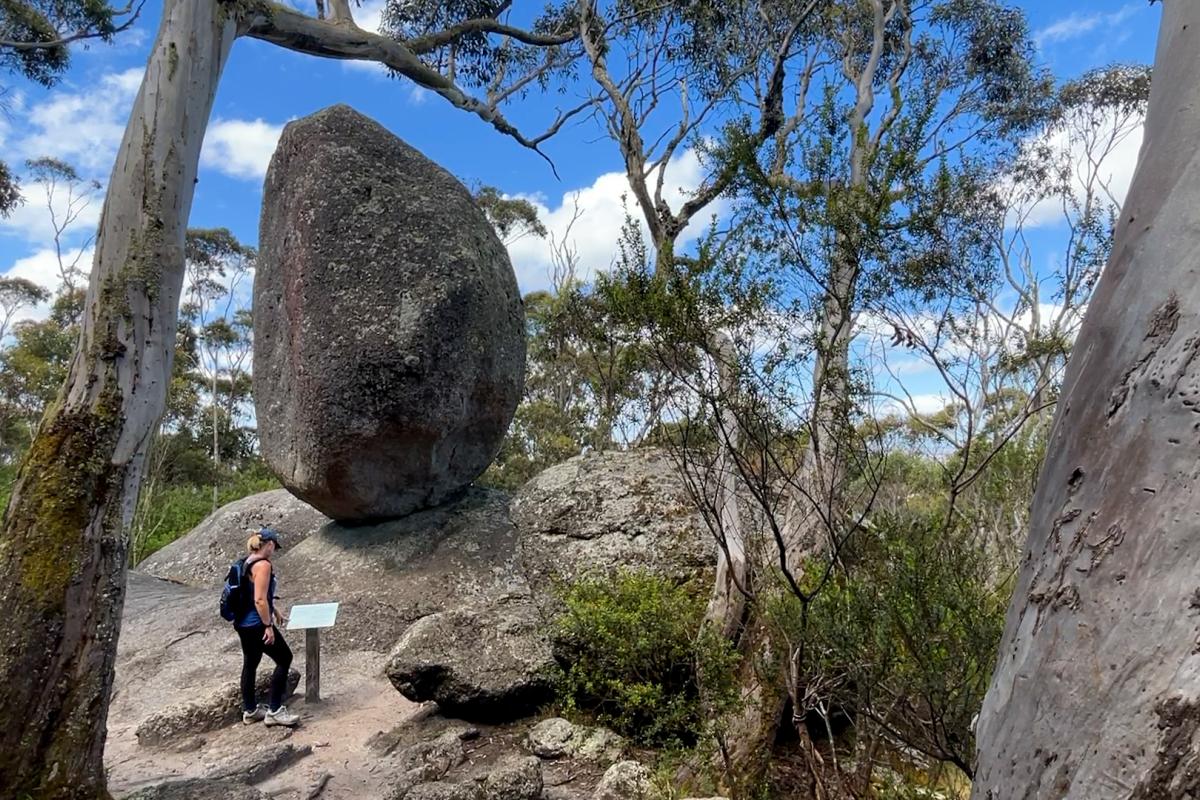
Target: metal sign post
[(310, 619)]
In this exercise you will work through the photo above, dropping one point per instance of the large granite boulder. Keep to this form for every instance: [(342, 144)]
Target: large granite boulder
[(389, 349), (203, 555)]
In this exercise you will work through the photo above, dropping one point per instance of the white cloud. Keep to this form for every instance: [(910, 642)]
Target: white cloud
[(369, 16), (42, 268), (1081, 23), (927, 403), (32, 221), (1115, 170), (601, 210), (83, 128), (240, 148)]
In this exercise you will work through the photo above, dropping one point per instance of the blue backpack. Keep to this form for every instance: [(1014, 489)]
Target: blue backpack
[(233, 593)]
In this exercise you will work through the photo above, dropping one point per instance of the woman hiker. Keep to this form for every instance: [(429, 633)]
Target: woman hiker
[(259, 637)]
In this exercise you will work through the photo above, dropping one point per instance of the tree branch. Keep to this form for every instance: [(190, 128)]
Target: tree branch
[(80, 34), (432, 41), (292, 30)]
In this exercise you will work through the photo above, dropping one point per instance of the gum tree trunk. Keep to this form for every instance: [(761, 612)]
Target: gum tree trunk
[(63, 544), (766, 672), (1096, 692)]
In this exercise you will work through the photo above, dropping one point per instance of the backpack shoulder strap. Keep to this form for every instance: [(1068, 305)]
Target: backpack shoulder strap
[(247, 570)]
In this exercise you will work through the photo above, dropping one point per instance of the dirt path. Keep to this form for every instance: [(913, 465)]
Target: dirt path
[(174, 649), (357, 703)]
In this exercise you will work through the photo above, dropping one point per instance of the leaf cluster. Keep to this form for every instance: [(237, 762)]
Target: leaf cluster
[(635, 656)]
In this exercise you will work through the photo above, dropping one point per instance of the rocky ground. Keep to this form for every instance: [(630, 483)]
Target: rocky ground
[(432, 678)]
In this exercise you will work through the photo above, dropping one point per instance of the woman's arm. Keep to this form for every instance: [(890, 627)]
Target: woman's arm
[(260, 571)]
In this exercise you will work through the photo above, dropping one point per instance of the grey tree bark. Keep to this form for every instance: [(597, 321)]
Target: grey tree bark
[(1097, 691), (63, 549)]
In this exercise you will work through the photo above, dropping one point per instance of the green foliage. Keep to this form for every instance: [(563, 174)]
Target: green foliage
[(472, 56), (10, 190), (48, 23), (166, 511), (635, 656), (904, 639), (587, 374), (512, 217)]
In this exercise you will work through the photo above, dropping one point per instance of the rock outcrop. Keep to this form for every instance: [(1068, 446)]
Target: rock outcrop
[(604, 511), (203, 556), (488, 662), (439, 602), (389, 349), (218, 708), (389, 575)]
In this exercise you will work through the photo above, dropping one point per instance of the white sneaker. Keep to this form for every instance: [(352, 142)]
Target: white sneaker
[(281, 716), (251, 717)]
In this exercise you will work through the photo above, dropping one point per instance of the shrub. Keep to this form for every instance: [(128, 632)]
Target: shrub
[(904, 638), (168, 511), (635, 656)]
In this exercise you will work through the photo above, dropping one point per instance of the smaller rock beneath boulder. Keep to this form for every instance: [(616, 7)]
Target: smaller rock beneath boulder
[(625, 780), (221, 707), (440, 791), (600, 745), (487, 663), (515, 778), (558, 738), (198, 789)]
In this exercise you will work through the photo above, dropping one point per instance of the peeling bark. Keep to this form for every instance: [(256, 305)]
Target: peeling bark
[(1098, 679), (63, 547)]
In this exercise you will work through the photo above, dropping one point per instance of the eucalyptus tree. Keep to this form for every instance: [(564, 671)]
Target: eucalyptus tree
[(77, 486), (217, 266), (1101, 625), (896, 113), (996, 343), (67, 196), (861, 128)]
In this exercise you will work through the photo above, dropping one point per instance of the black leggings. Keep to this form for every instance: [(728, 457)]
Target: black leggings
[(253, 648)]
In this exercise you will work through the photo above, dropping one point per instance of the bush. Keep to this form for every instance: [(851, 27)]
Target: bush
[(904, 639), (635, 657), (168, 511)]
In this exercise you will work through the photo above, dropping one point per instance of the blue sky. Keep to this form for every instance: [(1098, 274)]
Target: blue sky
[(264, 86)]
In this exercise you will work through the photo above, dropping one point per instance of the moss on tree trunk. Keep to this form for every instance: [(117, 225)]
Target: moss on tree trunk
[(62, 587), (64, 541)]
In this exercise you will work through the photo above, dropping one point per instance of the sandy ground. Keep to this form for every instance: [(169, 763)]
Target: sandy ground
[(357, 703), (174, 648)]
